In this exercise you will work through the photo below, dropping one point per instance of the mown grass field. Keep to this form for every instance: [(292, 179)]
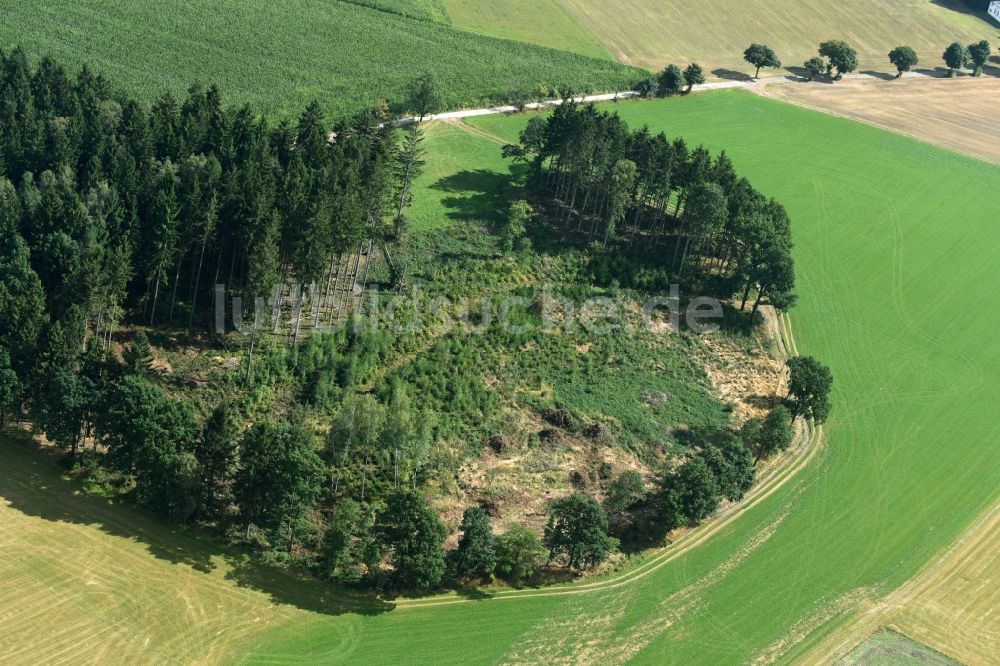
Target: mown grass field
[(651, 33), (280, 56), (896, 248), (87, 581)]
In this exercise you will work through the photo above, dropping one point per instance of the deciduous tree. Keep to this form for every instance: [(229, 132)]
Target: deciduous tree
[(690, 494), (979, 55), (670, 81), (955, 56), (693, 76), (411, 534), (840, 55), (904, 58), (759, 56), (771, 435), (814, 67), (519, 553), (519, 215), (577, 530), (476, 556), (627, 490), (809, 387), (279, 477), (423, 97)]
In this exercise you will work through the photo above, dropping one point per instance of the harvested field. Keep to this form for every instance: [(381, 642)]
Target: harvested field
[(958, 113), (950, 606)]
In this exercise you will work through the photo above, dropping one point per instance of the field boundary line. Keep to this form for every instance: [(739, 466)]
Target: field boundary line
[(762, 92), (806, 446), (882, 612)]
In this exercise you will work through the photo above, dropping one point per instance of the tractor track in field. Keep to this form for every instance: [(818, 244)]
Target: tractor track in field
[(926, 609), (805, 447)]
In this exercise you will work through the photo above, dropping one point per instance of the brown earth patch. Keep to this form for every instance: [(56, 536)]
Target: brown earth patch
[(958, 114)]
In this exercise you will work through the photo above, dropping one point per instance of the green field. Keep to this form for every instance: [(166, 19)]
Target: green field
[(894, 295), (280, 56), (545, 22), (425, 10), (651, 33), (897, 244)]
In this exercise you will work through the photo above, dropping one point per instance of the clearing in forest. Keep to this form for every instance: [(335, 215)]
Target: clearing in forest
[(896, 268), (895, 264)]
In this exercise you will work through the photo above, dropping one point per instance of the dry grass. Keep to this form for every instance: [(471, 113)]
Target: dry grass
[(651, 33), (950, 606), (958, 113), (85, 580)]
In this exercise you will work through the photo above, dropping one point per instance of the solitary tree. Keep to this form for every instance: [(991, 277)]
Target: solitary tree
[(809, 388), (577, 529), (814, 67), (694, 75), (759, 56), (476, 555), (979, 54), (423, 97), (670, 81), (840, 56), (955, 56), (904, 58)]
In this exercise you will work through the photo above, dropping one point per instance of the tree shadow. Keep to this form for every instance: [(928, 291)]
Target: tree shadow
[(732, 75), (481, 194), (801, 75), (316, 596), (885, 76), (939, 72), (960, 6), (32, 483)]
